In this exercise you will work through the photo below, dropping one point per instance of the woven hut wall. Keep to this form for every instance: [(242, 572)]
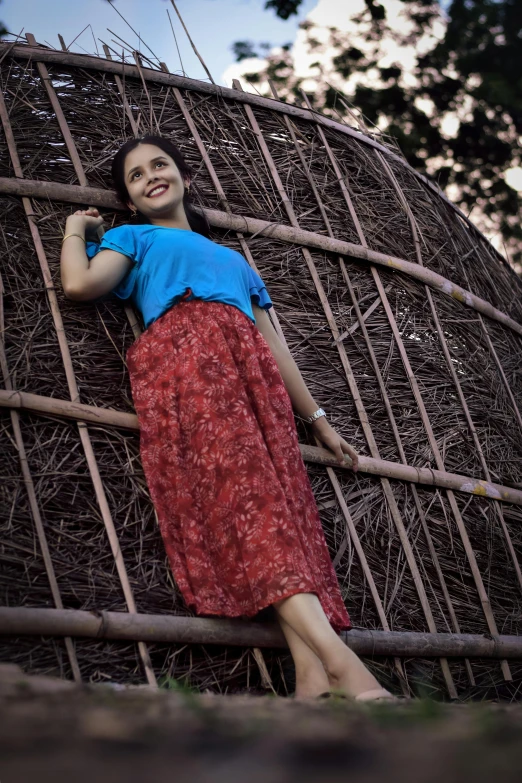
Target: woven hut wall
[(408, 374)]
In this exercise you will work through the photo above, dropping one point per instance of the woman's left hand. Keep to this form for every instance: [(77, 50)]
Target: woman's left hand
[(333, 441)]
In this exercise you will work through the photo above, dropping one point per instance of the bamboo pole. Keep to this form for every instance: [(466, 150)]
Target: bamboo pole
[(121, 90), (249, 225), (73, 388), (166, 629), (106, 417), (200, 58), (470, 554), (258, 655)]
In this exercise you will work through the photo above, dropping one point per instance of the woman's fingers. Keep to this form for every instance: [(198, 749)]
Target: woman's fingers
[(91, 212), (334, 444), (340, 447), (347, 449)]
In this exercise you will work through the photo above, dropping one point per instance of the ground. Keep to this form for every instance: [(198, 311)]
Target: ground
[(56, 731)]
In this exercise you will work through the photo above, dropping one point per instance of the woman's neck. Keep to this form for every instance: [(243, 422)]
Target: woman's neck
[(175, 219), (166, 223)]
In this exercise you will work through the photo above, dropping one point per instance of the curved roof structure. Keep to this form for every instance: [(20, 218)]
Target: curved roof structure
[(406, 325)]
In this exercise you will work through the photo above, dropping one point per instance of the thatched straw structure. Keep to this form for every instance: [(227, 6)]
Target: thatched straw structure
[(406, 325)]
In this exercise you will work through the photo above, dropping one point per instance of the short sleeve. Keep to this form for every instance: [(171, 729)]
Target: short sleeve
[(122, 240), (258, 292)]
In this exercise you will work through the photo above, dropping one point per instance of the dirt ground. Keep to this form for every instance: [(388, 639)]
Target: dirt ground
[(53, 731)]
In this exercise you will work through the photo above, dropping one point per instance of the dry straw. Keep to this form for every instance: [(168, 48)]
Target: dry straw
[(404, 321)]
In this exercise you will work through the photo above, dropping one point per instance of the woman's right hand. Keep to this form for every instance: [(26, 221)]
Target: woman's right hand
[(86, 220)]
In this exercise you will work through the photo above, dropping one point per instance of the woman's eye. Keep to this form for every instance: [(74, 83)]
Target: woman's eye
[(136, 174), (159, 163)]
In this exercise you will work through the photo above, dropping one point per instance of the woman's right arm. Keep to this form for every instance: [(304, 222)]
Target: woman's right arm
[(83, 280)]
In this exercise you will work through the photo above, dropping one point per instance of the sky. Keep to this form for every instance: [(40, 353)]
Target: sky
[(213, 25)]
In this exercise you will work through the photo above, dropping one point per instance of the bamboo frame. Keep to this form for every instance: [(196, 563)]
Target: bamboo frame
[(99, 624), (355, 513), (249, 225)]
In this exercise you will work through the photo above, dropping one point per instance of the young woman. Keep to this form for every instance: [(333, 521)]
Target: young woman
[(213, 387)]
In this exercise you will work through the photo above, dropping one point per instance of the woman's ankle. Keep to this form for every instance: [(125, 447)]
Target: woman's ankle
[(311, 680), (349, 675)]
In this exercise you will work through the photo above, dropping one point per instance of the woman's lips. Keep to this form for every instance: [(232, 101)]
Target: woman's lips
[(154, 194)]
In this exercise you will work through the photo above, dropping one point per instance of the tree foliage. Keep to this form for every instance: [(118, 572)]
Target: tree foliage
[(284, 8), (456, 112)]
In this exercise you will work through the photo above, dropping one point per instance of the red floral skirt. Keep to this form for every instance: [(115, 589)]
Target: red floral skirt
[(222, 462)]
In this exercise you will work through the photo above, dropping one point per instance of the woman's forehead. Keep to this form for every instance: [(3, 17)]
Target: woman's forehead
[(143, 154)]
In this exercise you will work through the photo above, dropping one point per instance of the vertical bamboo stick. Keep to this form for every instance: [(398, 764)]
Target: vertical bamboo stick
[(361, 322), (152, 115), (66, 357), (502, 374), (483, 597), (121, 90), (388, 493), (192, 43), (129, 312), (31, 495)]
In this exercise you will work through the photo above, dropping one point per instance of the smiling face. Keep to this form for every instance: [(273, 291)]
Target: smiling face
[(154, 183)]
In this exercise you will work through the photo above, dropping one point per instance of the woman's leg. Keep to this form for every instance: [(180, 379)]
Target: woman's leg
[(310, 676), (345, 671)]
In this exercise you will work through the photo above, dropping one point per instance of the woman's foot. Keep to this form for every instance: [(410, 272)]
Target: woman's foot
[(310, 685), (348, 676)]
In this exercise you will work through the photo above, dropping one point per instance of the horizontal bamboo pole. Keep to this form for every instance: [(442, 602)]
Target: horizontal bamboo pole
[(166, 629), (104, 198), (51, 406), (89, 62), (376, 467)]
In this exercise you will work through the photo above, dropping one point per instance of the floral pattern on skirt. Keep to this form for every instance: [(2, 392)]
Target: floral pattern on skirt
[(222, 461)]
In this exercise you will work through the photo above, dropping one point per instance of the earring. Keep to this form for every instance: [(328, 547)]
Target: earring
[(133, 210)]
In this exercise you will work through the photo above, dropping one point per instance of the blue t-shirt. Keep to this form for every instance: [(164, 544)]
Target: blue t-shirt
[(167, 261)]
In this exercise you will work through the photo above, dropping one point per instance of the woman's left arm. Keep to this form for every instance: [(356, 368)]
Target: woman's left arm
[(302, 400)]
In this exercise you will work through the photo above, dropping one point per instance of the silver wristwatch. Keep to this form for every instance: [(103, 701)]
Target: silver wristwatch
[(317, 415)]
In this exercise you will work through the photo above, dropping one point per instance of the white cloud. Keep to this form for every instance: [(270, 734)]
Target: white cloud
[(340, 14), (513, 178)]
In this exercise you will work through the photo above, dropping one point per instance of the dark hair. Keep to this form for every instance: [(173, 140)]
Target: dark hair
[(197, 220)]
